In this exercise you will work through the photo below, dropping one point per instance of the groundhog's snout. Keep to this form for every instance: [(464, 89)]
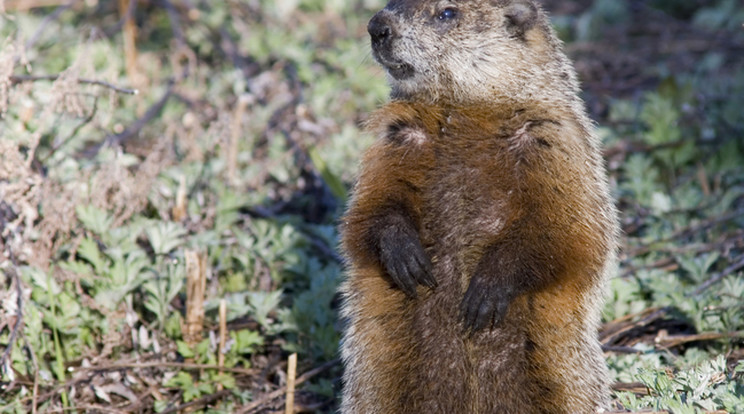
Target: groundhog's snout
[(383, 32), (379, 30)]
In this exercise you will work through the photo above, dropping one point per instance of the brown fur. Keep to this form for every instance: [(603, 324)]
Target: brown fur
[(496, 174)]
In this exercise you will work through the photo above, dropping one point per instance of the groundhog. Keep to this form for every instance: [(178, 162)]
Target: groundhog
[(481, 229)]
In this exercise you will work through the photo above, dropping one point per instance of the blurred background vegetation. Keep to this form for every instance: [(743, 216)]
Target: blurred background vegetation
[(232, 163)]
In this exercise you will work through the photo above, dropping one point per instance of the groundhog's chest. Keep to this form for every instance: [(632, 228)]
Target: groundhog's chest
[(469, 196)]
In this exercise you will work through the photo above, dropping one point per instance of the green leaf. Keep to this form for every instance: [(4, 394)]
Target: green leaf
[(184, 350), (246, 341), (88, 250), (161, 405), (43, 280), (225, 379), (697, 266), (173, 325), (165, 236), (262, 303), (739, 367), (161, 290), (94, 219), (334, 183)]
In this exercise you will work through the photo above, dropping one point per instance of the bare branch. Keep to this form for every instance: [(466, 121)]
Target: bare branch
[(151, 113), (199, 402), (282, 390), (157, 364), (13, 273), (44, 24), (175, 22), (33, 78), (35, 363), (72, 134), (718, 277)]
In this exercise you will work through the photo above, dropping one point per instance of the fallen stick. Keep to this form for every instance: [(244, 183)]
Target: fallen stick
[(33, 78)]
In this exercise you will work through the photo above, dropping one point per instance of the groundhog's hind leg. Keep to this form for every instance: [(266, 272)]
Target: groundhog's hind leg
[(403, 355), (377, 348)]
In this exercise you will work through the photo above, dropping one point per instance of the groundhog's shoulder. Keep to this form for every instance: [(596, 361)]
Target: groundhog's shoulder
[(411, 121), (390, 119)]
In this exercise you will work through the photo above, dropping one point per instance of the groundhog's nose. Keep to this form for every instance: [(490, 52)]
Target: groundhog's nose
[(379, 29)]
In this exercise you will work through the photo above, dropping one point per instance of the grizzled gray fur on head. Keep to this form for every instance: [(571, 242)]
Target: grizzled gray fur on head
[(466, 51)]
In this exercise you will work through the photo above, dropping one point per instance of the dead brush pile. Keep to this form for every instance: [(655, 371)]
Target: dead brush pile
[(122, 175)]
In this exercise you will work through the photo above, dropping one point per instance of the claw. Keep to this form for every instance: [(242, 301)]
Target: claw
[(405, 260), (484, 304)]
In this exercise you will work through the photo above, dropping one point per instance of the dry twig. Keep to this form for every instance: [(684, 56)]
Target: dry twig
[(175, 23), (179, 365), (136, 127), (611, 331), (291, 378), (19, 311), (127, 9), (196, 284), (26, 5), (43, 25), (35, 363), (250, 408), (15, 79), (670, 341), (223, 338), (738, 264), (199, 402)]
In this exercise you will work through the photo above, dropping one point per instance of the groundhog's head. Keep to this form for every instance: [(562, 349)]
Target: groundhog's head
[(469, 50)]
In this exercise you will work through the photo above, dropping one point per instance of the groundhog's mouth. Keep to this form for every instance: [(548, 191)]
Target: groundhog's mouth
[(396, 69)]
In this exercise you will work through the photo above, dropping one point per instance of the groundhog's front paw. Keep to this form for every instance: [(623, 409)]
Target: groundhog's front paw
[(404, 259), (485, 304)]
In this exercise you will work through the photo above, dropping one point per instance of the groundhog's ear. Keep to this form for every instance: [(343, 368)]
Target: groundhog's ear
[(521, 15)]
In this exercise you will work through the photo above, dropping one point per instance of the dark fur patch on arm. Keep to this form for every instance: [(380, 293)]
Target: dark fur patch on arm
[(394, 239)]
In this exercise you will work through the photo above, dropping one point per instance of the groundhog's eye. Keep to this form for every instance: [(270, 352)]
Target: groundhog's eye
[(448, 13)]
